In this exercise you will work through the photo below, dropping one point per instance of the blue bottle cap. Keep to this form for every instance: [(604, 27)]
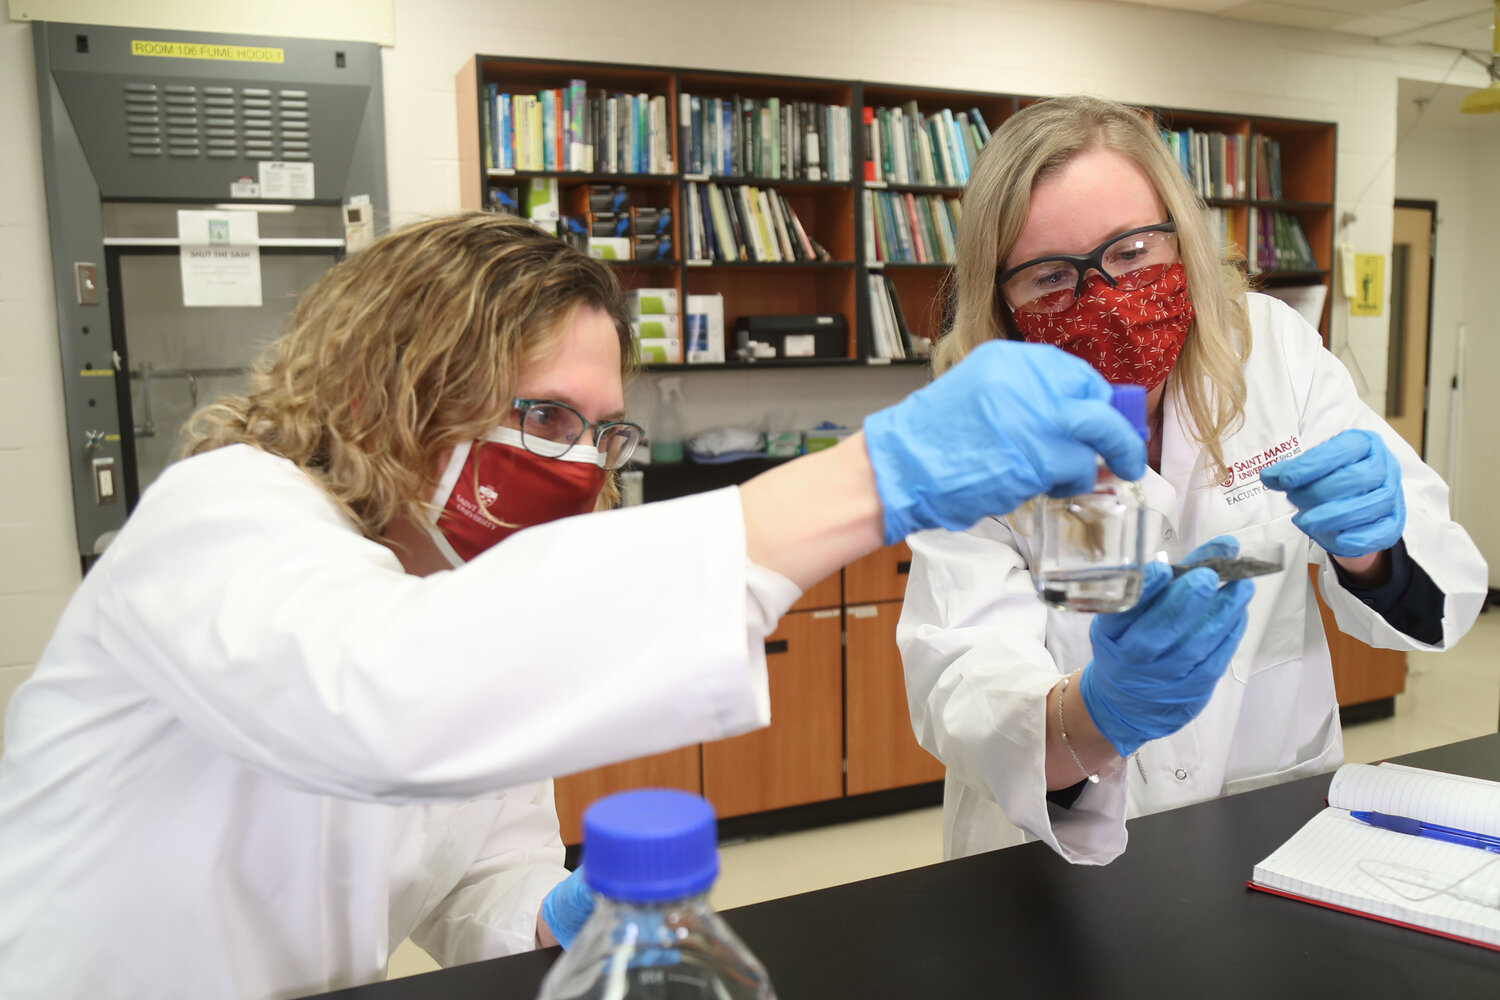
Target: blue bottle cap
[(649, 845), (1130, 401)]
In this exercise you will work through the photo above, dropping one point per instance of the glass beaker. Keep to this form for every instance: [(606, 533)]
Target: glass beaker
[(1088, 549)]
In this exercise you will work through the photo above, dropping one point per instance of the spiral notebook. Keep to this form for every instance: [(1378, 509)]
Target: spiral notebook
[(1428, 885)]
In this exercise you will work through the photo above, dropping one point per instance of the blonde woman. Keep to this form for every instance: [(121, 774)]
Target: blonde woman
[(1080, 231), (309, 701)]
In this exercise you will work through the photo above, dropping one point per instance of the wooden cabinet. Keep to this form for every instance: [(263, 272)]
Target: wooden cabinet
[(826, 593), (673, 769), (879, 576), (799, 758), (881, 749), (1361, 673), (830, 703), (879, 745)]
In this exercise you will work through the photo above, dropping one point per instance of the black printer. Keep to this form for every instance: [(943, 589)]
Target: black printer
[(819, 335)]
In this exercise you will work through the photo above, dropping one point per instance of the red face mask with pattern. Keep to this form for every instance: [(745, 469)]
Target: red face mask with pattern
[(1130, 333)]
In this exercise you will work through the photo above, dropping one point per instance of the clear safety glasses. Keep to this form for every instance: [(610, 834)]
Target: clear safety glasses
[(1051, 284), (550, 429)]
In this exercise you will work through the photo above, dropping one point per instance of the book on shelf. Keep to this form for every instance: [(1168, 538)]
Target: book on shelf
[(742, 222), (573, 128), (909, 228), (1265, 169), (1211, 161), (771, 139), (1424, 882), (890, 337), (977, 117), (917, 147), (1276, 242)]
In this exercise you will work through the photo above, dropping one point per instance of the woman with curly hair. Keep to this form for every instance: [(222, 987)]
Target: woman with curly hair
[(309, 701)]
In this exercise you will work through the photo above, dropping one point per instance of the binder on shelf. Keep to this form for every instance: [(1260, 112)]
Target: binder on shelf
[(1424, 882), (658, 351), (652, 301), (705, 329), (541, 201), (655, 326)]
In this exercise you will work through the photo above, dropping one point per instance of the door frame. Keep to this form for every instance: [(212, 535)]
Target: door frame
[(1431, 208)]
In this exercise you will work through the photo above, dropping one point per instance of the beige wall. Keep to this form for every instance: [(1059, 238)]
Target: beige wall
[(1453, 160), (38, 555), (1118, 50)]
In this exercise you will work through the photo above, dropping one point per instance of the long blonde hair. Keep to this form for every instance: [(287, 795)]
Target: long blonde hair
[(1036, 142), (404, 350)]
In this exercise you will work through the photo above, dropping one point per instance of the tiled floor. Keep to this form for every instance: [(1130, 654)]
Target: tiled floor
[(1449, 696)]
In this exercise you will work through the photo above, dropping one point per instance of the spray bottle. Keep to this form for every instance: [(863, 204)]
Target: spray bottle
[(666, 422)]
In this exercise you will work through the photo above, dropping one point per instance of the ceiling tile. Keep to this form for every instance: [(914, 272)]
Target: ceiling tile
[(1286, 15)]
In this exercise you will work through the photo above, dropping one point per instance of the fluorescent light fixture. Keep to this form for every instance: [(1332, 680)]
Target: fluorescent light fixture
[(230, 206)]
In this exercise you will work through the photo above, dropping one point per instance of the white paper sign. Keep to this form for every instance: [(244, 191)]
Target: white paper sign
[(220, 255), (283, 181)]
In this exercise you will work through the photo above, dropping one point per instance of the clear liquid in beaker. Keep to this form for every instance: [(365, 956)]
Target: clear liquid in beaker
[(1096, 589)]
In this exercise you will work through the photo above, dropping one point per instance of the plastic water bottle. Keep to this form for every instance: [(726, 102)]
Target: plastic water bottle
[(1088, 550), (666, 422), (650, 855)]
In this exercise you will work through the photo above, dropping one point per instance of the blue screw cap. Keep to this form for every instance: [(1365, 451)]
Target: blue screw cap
[(1130, 401), (649, 845)]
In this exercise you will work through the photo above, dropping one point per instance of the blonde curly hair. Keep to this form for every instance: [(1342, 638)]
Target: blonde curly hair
[(407, 348), (1036, 142)]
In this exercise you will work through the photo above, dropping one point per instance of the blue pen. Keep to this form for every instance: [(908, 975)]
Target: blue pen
[(1433, 831)]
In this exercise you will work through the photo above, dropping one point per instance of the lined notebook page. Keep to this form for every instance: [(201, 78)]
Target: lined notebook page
[(1430, 796), (1338, 860)]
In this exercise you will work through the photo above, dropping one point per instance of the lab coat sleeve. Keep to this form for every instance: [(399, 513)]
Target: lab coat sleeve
[(978, 672), (493, 909), (1433, 540), (243, 600)]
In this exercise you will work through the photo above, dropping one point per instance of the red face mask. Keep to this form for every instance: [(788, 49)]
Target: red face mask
[(495, 487), (1131, 333)]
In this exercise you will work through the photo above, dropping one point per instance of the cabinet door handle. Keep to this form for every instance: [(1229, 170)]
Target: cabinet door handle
[(774, 646), (903, 567)]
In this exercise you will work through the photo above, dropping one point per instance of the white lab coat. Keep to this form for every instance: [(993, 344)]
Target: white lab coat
[(981, 651), (256, 755)]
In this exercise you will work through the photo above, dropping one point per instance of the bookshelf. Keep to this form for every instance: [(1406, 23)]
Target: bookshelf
[(851, 689), (768, 118)]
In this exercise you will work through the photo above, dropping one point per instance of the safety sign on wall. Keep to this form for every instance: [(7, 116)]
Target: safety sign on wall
[(1368, 288)]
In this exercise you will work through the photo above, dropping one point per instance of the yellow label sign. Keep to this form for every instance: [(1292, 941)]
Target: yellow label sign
[(199, 50), (1368, 292)]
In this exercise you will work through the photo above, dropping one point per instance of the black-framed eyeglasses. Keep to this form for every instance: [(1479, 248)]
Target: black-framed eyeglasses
[(1040, 285), (550, 429)]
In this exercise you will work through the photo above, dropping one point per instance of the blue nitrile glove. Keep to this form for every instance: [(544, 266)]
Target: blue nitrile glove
[(1347, 491), (567, 906), (1156, 665), (1007, 423)]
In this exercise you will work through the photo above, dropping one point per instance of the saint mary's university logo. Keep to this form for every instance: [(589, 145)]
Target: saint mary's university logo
[(1243, 474), (487, 495)]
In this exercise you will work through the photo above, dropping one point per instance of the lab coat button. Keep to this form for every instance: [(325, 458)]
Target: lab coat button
[(1167, 534), (1181, 774)]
